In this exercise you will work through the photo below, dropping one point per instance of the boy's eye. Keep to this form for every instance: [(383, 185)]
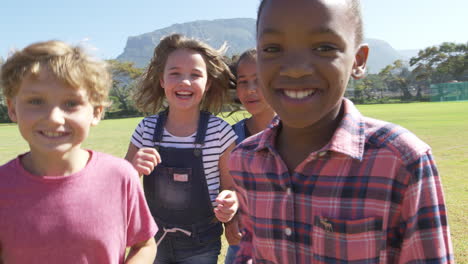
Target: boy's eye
[(35, 101), (325, 48), (271, 49), (174, 73), (71, 104)]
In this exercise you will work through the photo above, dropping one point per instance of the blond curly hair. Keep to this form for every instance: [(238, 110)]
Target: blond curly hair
[(69, 64)]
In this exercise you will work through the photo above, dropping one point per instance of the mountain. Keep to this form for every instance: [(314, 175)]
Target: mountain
[(239, 34), (408, 54), (381, 54)]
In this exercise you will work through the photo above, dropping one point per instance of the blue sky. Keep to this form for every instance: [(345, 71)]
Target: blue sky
[(104, 25)]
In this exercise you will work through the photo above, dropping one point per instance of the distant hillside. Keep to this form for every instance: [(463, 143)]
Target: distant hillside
[(239, 33), (381, 54), (408, 54)]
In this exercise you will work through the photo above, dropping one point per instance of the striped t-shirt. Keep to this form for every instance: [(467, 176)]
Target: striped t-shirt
[(219, 136)]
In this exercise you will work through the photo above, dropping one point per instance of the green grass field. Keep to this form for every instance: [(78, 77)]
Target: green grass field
[(443, 125)]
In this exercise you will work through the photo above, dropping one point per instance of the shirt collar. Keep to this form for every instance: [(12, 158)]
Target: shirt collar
[(348, 139)]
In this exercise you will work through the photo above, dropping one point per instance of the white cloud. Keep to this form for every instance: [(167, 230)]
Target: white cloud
[(87, 45)]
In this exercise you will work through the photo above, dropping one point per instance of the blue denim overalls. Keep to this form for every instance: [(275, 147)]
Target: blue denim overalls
[(178, 197)]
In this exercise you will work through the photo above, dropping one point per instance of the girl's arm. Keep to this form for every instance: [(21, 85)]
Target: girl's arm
[(232, 231), (226, 181), (131, 151), (143, 160), (143, 252), (227, 199)]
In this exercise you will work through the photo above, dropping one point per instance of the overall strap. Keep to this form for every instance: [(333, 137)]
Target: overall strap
[(202, 127), (159, 128), (201, 130)]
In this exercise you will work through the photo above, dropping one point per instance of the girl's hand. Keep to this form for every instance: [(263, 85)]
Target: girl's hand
[(232, 233), (227, 205), (145, 159)]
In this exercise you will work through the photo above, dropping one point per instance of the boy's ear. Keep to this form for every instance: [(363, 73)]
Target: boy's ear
[(360, 62), (98, 110), (11, 109)]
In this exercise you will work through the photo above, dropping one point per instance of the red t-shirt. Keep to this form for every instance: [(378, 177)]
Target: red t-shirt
[(87, 217)]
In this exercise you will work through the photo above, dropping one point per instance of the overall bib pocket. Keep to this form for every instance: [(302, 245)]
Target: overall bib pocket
[(173, 187)]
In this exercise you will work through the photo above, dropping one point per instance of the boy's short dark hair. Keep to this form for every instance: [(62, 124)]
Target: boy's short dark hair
[(355, 8)]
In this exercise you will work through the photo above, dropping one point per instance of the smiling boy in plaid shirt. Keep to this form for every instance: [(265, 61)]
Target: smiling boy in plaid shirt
[(324, 184)]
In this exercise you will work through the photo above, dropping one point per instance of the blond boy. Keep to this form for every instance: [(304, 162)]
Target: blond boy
[(60, 203)]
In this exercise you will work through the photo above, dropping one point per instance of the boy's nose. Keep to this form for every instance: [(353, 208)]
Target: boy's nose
[(296, 65), (56, 115)]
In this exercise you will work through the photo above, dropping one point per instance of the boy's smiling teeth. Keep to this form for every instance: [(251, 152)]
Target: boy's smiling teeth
[(299, 94), (53, 134)]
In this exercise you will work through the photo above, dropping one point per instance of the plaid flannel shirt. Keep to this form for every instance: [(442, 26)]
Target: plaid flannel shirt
[(371, 195)]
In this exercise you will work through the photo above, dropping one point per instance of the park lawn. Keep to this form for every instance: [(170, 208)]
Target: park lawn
[(442, 125)]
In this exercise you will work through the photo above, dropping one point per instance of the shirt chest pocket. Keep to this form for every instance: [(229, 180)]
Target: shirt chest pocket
[(356, 241)]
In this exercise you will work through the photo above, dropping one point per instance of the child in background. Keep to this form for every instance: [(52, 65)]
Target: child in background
[(324, 184), (183, 151), (60, 203), (252, 99)]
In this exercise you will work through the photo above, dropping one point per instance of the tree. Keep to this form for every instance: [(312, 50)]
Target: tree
[(397, 77), (4, 118), (124, 78), (443, 63), (3, 108)]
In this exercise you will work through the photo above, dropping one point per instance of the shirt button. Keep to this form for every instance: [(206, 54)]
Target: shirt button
[(288, 231), (288, 191), (322, 153)]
